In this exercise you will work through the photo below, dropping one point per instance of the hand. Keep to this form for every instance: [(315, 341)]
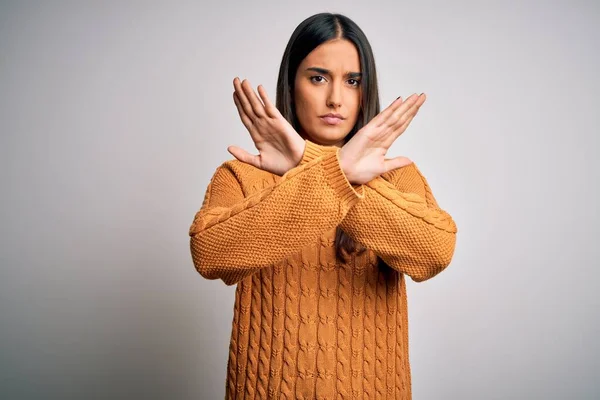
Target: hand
[(363, 157), (280, 147)]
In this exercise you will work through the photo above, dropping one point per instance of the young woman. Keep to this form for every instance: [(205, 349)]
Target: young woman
[(319, 230)]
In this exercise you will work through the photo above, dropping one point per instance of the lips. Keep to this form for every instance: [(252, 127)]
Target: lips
[(331, 120)]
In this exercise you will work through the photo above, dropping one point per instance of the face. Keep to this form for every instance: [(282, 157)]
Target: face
[(328, 82)]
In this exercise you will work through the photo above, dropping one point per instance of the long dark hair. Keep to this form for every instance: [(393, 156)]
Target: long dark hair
[(312, 32)]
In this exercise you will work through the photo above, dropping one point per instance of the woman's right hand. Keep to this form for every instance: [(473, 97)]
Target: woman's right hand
[(363, 157), (281, 148)]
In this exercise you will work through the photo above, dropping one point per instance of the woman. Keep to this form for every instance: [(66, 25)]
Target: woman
[(319, 229)]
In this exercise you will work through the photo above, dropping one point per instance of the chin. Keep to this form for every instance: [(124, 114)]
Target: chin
[(328, 136)]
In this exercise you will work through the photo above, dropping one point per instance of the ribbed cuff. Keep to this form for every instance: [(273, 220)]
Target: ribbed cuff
[(338, 180), (358, 188), (313, 150)]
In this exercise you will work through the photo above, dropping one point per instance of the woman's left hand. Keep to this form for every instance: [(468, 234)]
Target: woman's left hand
[(280, 147)]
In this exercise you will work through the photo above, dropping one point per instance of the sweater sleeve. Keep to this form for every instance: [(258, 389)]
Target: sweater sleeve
[(313, 150), (233, 236), (400, 220)]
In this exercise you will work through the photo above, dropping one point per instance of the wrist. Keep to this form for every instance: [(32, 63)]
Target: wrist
[(300, 153)]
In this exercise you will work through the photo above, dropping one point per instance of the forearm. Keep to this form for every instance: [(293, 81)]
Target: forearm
[(403, 230), (232, 242)]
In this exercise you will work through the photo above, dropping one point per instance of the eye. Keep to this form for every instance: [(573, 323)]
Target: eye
[(317, 79), (354, 82)]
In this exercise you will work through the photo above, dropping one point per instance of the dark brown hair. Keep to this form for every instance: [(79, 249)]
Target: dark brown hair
[(311, 33)]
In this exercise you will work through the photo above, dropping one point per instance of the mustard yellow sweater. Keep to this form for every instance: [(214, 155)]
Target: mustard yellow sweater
[(306, 326)]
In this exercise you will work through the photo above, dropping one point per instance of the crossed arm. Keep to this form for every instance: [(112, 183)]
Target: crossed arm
[(395, 215), (400, 220)]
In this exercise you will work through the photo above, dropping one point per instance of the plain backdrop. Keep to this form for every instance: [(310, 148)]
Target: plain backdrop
[(115, 114)]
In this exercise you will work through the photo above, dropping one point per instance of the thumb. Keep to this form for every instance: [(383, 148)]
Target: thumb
[(395, 163), (243, 156)]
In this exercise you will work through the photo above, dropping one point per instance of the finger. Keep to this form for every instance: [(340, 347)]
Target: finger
[(245, 103), (244, 156), (257, 105), (394, 134), (382, 116), (402, 123), (406, 108), (403, 127), (410, 113), (415, 107), (395, 163), (383, 129), (269, 107), (389, 115), (245, 119)]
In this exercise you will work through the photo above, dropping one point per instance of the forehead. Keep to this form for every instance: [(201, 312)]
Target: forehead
[(338, 55)]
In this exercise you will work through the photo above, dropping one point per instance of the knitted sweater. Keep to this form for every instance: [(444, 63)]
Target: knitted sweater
[(305, 325)]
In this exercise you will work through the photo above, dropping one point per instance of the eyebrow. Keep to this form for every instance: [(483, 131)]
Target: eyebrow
[(327, 72)]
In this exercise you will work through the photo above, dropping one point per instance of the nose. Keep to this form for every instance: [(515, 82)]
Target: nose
[(334, 98)]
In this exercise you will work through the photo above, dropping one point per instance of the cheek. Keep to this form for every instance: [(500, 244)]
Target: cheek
[(357, 98), (354, 105), (304, 108)]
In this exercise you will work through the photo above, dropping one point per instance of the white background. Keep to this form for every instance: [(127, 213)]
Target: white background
[(114, 116)]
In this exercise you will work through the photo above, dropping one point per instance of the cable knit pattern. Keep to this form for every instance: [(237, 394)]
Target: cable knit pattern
[(292, 322), (357, 326), (392, 293), (369, 330), (267, 330), (343, 294), (380, 337), (306, 325), (254, 337), (279, 330)]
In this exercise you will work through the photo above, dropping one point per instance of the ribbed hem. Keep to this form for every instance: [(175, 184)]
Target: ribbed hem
[(338, 180), (313, 150)]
